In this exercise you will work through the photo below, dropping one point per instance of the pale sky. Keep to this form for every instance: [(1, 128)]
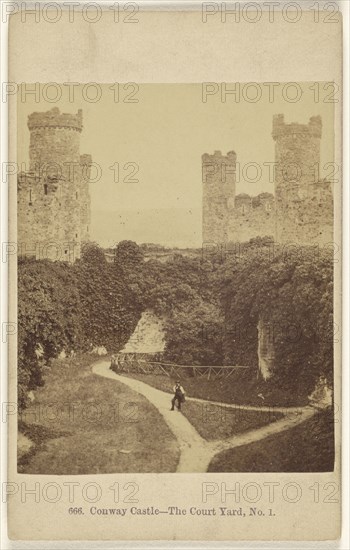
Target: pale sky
[(165, 134)]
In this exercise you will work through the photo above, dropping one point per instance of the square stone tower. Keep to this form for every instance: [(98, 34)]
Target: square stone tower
[(53, 198)]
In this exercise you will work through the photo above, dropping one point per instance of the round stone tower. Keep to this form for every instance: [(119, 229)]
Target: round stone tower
[(297, 156), (53, 197), (304, 205), (219, 183), (54, 139)]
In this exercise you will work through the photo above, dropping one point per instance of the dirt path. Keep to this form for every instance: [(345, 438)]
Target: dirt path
[(194, 455), (195, 452)]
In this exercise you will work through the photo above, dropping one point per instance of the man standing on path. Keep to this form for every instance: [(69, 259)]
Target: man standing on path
[(179, 396)]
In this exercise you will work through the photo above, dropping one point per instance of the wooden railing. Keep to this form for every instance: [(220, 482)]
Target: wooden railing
[(145, 363)]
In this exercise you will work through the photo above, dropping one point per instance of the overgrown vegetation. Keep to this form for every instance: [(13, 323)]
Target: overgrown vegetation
[(212, 304)]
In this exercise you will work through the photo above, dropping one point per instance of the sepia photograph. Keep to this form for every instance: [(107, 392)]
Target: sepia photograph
[(176, 267), (176, 257)]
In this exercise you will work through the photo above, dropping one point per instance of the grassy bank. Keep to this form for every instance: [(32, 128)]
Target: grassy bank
[(241, 388), (214, 422), (305, 448), (81, 423)]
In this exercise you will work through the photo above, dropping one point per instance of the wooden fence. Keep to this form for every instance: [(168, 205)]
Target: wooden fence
[(144, 363)]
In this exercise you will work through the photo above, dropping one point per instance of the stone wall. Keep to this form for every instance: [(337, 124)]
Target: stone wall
[(252, 217), (307, 221), (148, 336)]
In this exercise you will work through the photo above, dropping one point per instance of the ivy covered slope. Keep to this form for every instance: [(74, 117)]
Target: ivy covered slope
[(74, 307), (292, 291), (212, 305)]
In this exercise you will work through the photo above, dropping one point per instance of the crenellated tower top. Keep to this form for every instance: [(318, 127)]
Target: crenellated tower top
[(55, 119), (218, 157), (312, 129)]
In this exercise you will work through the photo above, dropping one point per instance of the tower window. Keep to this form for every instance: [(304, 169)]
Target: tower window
[(30, 197), (45, 188)]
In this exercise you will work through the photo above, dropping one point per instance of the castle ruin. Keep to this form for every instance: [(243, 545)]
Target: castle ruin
[(301, 208), (300, 211), (53, 199)]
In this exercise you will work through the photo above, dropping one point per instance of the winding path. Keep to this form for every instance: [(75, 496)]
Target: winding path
[(195, 452)]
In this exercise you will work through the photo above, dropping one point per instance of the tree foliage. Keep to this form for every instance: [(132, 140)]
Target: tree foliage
[(70, 307)]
